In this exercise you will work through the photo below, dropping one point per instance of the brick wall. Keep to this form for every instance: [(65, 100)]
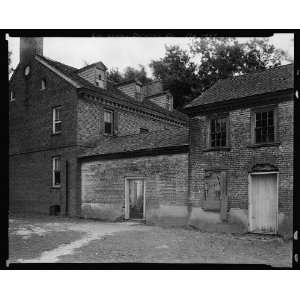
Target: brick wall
[(32, 144), (103, 183), (30, 115), (239, 160), (91, 121)]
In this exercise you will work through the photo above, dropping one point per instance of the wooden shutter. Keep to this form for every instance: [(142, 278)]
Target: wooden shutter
[(115, 123)]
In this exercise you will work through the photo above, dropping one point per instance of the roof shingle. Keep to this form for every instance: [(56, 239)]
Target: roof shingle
[(112, 91), (142, 141), (267, 81)]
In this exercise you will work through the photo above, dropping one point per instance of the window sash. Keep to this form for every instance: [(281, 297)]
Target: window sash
[(56, 171), (264, 126), (56, 120), (218, 132), (108, 122)]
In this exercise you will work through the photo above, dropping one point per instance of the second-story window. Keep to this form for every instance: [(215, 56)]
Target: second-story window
[(108, 122), (56, 115), (43, 84), (218, 132), (264, 126)]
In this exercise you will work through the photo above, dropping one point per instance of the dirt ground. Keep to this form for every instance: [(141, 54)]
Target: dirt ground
[(62, 240)]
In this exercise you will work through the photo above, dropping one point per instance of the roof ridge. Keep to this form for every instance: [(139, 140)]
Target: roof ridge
[(254, 72)]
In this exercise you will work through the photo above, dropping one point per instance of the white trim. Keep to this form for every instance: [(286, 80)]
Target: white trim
[(75, 84), (127, 211), (250, 208)]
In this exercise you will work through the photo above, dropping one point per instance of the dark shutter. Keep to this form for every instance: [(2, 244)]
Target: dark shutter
[(116, 121)]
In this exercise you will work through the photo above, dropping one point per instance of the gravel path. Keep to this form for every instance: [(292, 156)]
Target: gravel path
[(99, 242)]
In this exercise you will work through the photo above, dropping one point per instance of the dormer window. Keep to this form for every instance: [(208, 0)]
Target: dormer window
[(43, 84), (12, 96)]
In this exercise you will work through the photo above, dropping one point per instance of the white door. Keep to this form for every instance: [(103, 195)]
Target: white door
[(134, 199), (264, 203)]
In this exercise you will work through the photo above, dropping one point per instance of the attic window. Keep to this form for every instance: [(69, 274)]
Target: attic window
[(43, 84), (99, 77), (12, 96)]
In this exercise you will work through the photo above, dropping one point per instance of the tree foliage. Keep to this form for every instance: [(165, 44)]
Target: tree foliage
[(188, 73), (129, 73)]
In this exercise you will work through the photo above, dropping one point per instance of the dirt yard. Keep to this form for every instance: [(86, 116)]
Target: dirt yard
[(63, 240)]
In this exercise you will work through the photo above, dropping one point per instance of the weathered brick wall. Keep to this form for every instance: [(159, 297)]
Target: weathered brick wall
[(91, 121), (30, 120), (103, 183), (32, 144), (239, 160), (30, 182)]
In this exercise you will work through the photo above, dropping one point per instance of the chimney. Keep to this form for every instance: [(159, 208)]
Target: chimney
[(29, 47), (95, 74)]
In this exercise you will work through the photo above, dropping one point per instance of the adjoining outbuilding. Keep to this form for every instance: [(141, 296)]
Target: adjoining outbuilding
[(142, 176), (241, 153)]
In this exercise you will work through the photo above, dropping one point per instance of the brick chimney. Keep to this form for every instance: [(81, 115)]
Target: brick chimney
[(29, 47)]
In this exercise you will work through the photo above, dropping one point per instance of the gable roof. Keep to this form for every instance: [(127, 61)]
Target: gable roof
[(267, 81), (111, 91), (138, 142)]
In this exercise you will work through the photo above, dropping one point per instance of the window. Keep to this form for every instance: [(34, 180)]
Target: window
[(43, 84), (56, 113), (12, 96), (27, 70), (264, 126), (218, 132), (56, 169), (108, 122), (144, 130)]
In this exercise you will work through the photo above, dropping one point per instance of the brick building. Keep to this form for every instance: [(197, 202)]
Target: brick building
[(241, 153), (99, 150), (58, 112)]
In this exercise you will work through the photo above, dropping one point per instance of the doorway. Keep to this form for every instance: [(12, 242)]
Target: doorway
[(134, 198), (263, 202)]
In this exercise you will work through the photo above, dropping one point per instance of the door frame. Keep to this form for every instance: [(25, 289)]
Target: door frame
[(250, 212), (127, 212)]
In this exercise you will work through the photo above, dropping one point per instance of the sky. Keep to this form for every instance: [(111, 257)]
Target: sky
[(120, 52)]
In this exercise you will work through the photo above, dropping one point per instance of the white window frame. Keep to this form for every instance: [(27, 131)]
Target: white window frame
[(54, 159), (12, 96), (54, 121)]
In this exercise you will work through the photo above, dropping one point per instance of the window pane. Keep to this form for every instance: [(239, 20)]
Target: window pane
[(57, 114), (108, 116), (108, 128), (57, 127), (56, 178), (271, 133), (257, 135)]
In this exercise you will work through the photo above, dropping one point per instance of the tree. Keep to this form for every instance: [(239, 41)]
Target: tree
[(188, 73), (177, 72), (129, 73), (224, 57)]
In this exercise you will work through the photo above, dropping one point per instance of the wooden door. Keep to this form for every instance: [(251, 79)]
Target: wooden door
[(136, 198), (264, 204)]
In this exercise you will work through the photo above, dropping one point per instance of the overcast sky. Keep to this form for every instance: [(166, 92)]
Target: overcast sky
[(120, 52)]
